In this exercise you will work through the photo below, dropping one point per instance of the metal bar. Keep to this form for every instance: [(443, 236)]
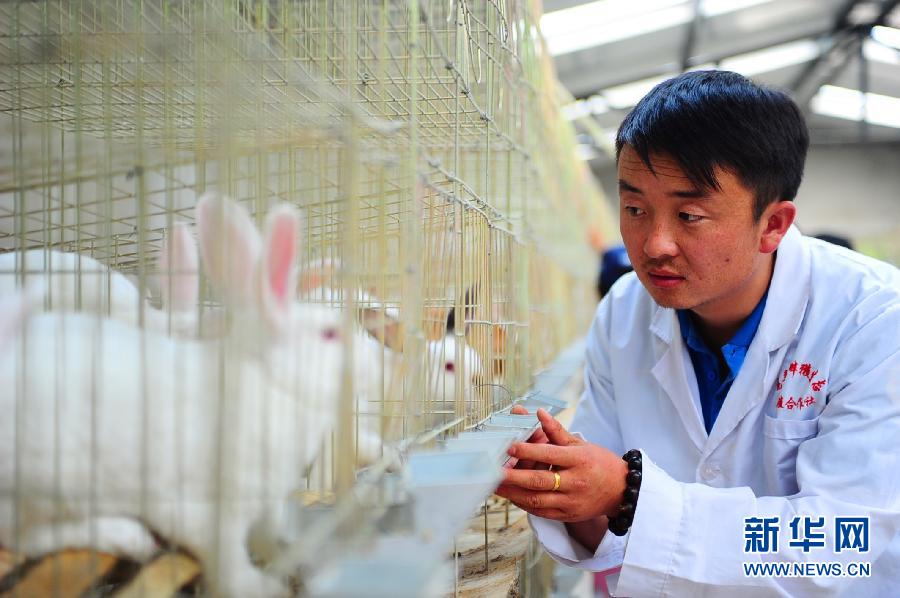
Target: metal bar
[(690, 37)]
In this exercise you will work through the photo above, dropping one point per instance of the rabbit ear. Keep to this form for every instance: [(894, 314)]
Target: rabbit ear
[(435, 323), (280, 261), (230, 247), (390, 334), (318, 273), (178, 276)]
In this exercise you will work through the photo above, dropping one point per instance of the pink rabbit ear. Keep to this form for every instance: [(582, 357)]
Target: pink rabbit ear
[(435, 323), (229, 246), (318, 273), (178, 265), (280, 259)]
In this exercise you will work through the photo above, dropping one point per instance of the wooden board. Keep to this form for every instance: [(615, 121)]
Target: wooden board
[(66, 574), (162, 577), (71, 573), (507, 545), (8, 562)]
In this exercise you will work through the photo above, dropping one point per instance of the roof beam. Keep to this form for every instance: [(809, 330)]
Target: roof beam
[(838, 47), (584, 82), (830, 41), (690, 37)]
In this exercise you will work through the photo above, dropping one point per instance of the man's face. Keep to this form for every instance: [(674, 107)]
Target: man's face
[(691, 249)]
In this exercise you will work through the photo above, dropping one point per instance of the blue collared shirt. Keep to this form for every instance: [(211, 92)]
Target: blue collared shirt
[(713, 381)]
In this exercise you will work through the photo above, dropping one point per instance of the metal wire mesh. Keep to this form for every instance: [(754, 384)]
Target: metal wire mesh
[(420, 143)]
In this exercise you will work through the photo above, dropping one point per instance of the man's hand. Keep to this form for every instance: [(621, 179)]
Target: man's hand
[(591, 478), (539, 437)]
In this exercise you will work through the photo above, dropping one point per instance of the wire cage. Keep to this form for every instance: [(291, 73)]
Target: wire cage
[(348, 227)]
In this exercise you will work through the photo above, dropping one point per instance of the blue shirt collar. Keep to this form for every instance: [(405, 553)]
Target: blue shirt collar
[(734, 350)]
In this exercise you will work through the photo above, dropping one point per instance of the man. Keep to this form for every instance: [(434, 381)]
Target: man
[(757, 371), (614, 264)]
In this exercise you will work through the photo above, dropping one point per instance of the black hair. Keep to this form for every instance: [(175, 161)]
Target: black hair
[(705, 119)]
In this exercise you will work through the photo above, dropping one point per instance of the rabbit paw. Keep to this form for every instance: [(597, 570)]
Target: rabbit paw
[(119, 536)]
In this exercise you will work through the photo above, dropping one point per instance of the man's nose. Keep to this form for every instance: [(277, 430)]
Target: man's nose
[(660, 243)]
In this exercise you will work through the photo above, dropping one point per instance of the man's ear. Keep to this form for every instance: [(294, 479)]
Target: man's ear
[(776, 220)]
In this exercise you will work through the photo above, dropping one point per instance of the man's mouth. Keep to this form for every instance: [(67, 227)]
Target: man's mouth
[(665, 279)]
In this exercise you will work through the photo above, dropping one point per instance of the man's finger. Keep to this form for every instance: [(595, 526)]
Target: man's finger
[(559, 456), (518, 500), (530, 501), (555, 431), (524, 465), (533, 479), (538, 437), (527, 464)]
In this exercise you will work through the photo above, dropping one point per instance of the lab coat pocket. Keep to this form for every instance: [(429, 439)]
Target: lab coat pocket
[(782, 440)]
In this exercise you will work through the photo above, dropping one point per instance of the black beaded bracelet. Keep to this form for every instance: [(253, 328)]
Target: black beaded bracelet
[(620, 524)]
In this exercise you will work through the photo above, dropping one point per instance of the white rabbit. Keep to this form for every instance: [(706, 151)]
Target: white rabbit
[(72, 282), (441, 365), (75, 282), (194, 439), (445, 369)]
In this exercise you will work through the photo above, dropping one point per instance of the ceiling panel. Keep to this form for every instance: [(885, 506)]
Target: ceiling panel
[(776, 40)]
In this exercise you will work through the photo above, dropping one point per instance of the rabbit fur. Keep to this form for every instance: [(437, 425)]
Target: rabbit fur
[(75, 282), (442, 365), (122, 428)]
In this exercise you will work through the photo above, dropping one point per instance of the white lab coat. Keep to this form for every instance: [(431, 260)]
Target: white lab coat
[(840, 456)]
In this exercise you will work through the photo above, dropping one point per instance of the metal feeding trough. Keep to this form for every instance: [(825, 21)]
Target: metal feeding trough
[(447, 487), (395, 568), (538, 400), (434, 496), (493, 442), (444, 488), (554, 379), (525, 424)]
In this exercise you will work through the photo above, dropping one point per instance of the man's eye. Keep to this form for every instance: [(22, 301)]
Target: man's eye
[(633, 211), (689, 217)]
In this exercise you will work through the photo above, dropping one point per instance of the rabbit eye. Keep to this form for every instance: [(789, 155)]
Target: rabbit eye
[(449, 366), (330, 334)]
